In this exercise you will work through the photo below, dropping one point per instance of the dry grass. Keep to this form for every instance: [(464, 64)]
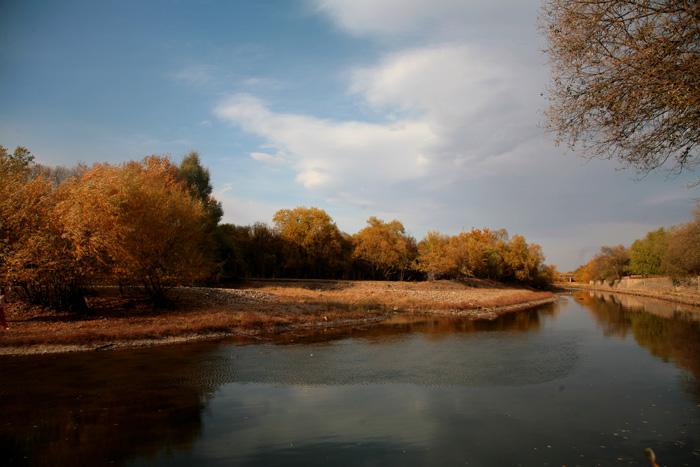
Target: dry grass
[(260, 307), (406, 296)]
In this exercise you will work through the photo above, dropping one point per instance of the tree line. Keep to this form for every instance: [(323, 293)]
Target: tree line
[(153, 224), (306, 243), (673, 251)]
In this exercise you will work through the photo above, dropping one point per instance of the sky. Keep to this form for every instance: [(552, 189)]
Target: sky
[(426, 111)]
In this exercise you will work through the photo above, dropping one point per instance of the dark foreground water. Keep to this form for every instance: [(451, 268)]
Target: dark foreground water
[(590, 380)]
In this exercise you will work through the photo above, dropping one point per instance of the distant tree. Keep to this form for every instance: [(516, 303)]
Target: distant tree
[(467, 253), (647, 254), (196, 177), (139, 221), (479, 253), (20, 161), (433, 258), (233, 244), (525, 261), (486, 254), (386, 247), (683, 252), (625, 79), (267, 251), (584, 273), (610, 263), (314, 245)]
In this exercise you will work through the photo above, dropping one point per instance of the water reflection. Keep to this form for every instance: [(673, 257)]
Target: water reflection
[(433, 327), (408, 392), (97, 408), (669, 331)]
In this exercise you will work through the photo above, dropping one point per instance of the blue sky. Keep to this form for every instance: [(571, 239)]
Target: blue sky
[(425, 111)]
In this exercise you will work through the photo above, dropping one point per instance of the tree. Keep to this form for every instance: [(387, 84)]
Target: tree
[(386, 247), (139, 221), (625, 79), (647, 254), (433, 258), (196, 177), (611, 263), (525, 261), (683, 252), (478, 253), (314, 243), (35, 257), (584, 273)]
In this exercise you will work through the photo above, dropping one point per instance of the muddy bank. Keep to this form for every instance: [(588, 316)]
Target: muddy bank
[(257, 310)]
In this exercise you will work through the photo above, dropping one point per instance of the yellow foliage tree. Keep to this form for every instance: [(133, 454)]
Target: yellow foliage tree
[(139, 221), (35, 258), (386, 247), (433, 258), (314, 243)]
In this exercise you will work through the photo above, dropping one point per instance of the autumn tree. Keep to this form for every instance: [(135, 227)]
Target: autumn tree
[(314, 243), (139, 221), (35, 257), (647, 254), (385, 247), (433, 258), (478, 253), (611, 263), (485, 254), (584, 273), (524, 261), (625, 77), (682, 256)]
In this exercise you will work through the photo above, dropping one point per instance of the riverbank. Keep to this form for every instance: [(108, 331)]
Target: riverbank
[(255, 310), (685, 297)]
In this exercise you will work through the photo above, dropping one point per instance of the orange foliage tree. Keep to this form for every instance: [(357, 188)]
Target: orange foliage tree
[(385, 247), (433, 258), (139, 222), (35, 258), (314, 245), (483, 253)]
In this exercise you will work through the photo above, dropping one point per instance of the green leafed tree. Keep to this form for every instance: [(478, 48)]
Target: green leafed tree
[(647, 254), (683, 253), (197, 179)]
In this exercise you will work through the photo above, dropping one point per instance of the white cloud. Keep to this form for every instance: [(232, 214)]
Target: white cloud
[(461, 113), (508, 19), (334, 154), (386, 16), (243, 211), (272, 159)]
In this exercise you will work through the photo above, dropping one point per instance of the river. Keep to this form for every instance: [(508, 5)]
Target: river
[(591, 380)]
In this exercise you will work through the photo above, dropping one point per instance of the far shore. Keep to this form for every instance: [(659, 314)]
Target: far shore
[(685, 297), (256, 310)]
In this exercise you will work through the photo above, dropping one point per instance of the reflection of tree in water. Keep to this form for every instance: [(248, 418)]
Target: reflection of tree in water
[(667, 337), (54, 412), (98, 407), (435, 327)]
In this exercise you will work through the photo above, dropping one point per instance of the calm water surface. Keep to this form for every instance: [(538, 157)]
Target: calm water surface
[(592, 380)]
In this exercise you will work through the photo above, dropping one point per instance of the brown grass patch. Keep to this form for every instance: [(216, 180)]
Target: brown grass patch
[(266, 307)]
